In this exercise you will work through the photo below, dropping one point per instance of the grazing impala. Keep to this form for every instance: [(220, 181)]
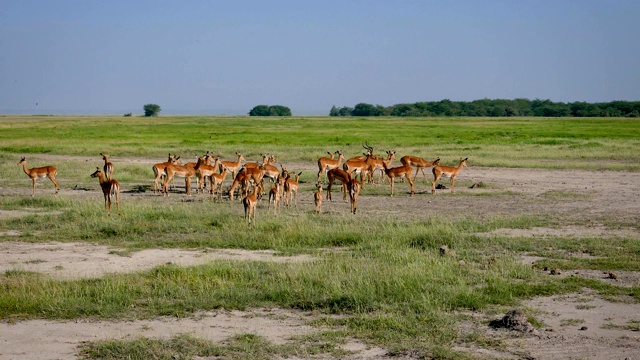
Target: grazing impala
[(108, 166), (354, 190), (326, 164), (110, 187), (317, 198), (233, 166), (159, 170), (419, 163), (40, 172), (449, 171), (250, 203), (340, 175), (398, 172)]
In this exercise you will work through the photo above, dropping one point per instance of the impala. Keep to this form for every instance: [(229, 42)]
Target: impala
[(108, 166), (449, 171), (159, 170), (244, 177), (326, 164), (317, 198), (216, 182), (361, 167), (354, 190), (233, 166), (40, 172), (419, 163), (276, 193), (377, 165), (250, 203), (291, 189), (181, 171), (271, 171), (110, 187), (398, 172), (340, 175), (205, 170)]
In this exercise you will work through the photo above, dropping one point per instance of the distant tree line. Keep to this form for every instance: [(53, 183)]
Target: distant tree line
[(273, 110), (497, 107)]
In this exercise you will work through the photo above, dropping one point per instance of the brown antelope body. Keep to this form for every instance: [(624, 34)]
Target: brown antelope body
[(250, 203), (340, 175), (449, 171), (159, 170), (110, 187), (233, 166), (40, 172), (419, 163), (181, 171), (354, 190), (325, 164), (398, 172), (317, 198), (108, 166), (291, 189)]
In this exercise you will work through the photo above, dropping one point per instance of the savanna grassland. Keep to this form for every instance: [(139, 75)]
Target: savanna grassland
[(378, 276)]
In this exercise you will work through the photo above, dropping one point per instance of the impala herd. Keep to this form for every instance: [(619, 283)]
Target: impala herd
[(248, 178)]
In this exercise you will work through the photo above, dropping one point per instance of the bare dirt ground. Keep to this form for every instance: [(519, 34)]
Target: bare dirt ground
[(609, 329)]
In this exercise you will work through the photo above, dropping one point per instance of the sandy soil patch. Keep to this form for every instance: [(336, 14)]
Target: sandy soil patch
[(81, 260)]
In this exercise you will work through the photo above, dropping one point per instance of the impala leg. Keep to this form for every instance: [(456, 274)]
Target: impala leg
[(392, 179), (33, 189), (433, 184), (453, 180), (411, 183), (55, 183)]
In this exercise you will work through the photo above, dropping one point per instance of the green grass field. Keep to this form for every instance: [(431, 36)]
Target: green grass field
[(389, 281)]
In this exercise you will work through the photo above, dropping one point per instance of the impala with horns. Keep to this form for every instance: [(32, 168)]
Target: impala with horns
[(419, 163), (40, 172), (377, 165), (325, 164), (449, 171), (361, 167)]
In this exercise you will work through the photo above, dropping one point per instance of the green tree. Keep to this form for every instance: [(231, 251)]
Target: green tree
[(151, 110), (279, 110), (334, 111), (260, 110)]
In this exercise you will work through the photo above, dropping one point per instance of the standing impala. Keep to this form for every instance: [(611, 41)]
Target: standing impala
[(181, 171), (233, 166), (419, 163), (317, 198), (110, 187), (354, 190), (205, 170), (108, 166), (361, 166), (325, 164), (159, 170), (398, 172), (291, 189), (39, 172), (449, 171), (340, 175), (250, 203)]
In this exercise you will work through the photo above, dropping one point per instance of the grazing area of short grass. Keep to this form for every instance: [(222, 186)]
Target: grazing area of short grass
[(382, 273)]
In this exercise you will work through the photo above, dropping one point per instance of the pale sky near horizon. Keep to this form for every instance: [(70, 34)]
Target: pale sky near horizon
[(225, 57)]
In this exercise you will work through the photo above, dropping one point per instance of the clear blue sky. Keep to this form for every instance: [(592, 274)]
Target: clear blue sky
[(224, 57)]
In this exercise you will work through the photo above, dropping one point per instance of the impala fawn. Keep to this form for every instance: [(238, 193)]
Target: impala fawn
[(317, 198), (250, 202)]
